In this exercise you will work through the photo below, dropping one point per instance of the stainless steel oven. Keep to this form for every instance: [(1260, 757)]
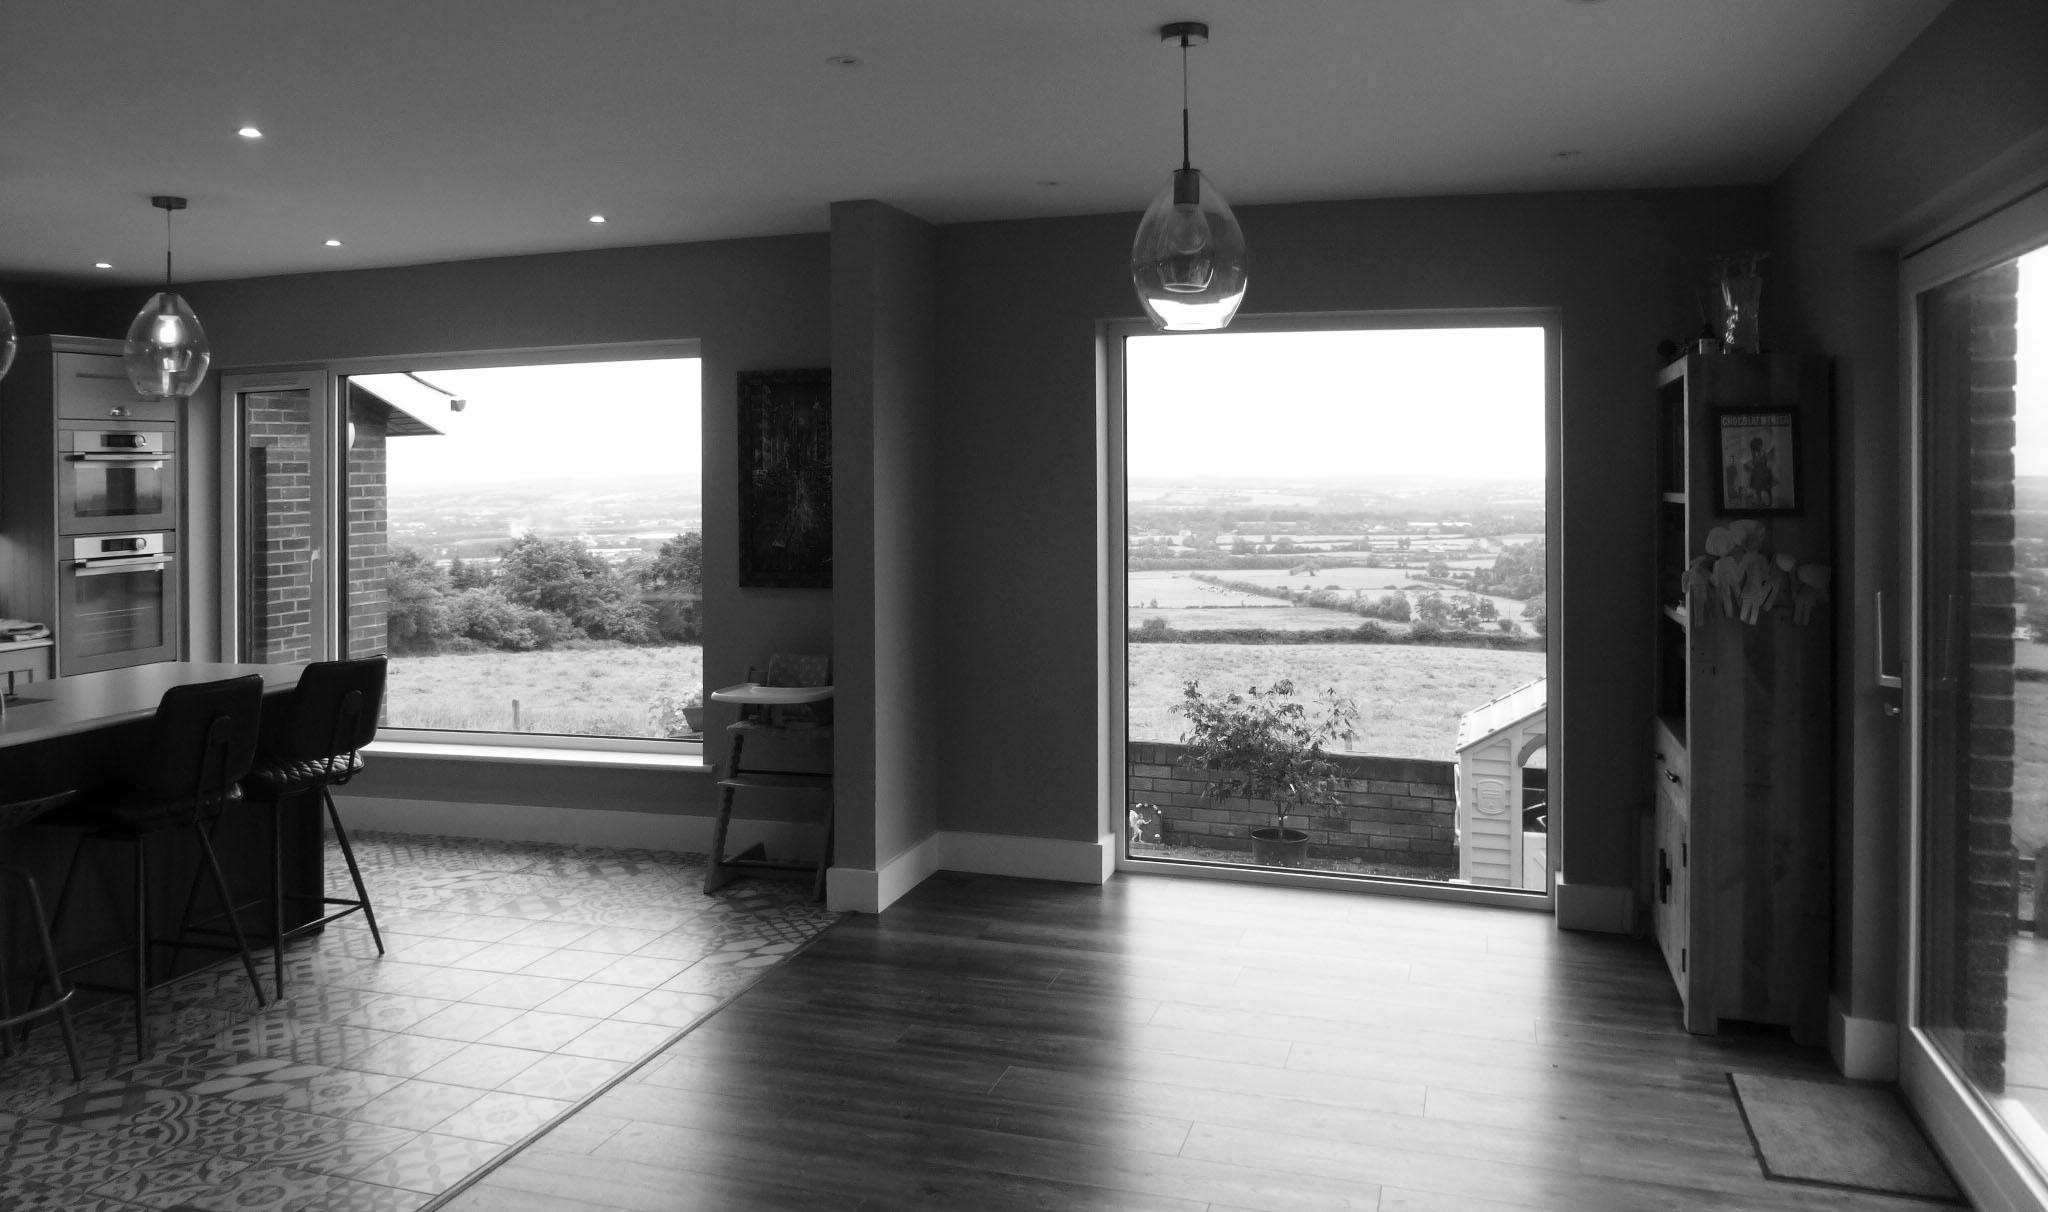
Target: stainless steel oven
[(117, 601), (123, 479)]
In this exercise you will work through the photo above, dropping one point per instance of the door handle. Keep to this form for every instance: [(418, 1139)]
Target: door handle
[(1887, 681), (1663, 876)]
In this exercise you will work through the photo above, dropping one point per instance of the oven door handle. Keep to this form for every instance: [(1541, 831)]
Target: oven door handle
[(107, 568), (155, 459)]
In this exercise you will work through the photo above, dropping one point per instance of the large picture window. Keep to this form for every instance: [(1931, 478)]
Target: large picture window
[(524, 541)]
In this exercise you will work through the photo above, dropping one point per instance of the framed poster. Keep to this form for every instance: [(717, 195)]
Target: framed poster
[(785, 503), (1757, 460)]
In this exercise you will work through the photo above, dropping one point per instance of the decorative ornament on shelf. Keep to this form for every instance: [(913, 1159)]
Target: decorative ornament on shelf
[(166, 352), (1738, 278), (1748, 580), (1188, 259)]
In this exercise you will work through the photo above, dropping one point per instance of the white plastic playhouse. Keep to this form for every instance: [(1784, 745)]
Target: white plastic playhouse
[(1496, 743)]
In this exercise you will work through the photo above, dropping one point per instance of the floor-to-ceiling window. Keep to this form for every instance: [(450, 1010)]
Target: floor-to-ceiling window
[(524, 540), (1975, 1056), (1336, 537)]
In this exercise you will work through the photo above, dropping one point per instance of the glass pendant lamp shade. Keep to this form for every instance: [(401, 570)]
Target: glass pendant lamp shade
[(7, 338), (1188, 260), (166, 353)]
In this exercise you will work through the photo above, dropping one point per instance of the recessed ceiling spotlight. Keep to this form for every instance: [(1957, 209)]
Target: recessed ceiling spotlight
[(597, 218), (250, 132), (1571, 153), (331, 242), (103, 265), (842, 60), (1049, 183)]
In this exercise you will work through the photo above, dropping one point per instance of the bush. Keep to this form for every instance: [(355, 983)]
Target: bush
[(486, 616)]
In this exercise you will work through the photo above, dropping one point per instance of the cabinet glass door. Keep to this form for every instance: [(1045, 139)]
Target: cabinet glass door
[(1976, 1057)]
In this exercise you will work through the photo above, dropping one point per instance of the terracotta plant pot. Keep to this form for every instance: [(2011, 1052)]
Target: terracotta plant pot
[(1273, 846)]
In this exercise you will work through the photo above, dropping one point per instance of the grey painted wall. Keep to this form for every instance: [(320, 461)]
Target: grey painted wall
[(886, 582), (1954, 126), (1019, 309), (753, 304)]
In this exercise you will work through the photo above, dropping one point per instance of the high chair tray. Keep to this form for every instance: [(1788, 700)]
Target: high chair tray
[(756, 695)]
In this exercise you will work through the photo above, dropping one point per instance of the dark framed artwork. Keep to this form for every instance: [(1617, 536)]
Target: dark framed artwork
[(785, 503), (1757, 460)]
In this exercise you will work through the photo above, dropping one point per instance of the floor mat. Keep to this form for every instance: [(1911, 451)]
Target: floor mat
[(1838, 1135)]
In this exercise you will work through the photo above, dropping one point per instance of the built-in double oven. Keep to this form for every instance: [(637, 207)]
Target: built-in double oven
[(117, 544)]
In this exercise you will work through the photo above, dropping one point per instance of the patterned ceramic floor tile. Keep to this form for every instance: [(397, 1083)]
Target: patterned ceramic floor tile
[(642, 972), (500, 957), (419, 1105), (181, 1168), (404, 1055), (668, 1008), (485, 1066), (541, 1030), (431, 1163), (258, 1188), (522, 991), (347, 1097), (465, 1021), (564, 1077), (502, 1117), (617, 1040), (570, 964), (592, 1000)]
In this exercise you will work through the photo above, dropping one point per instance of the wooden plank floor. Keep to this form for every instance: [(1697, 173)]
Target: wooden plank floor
[(1165, 1045)]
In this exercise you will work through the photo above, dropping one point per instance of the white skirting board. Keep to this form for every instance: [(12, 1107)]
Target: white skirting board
[(1864, 1049), (858, 890), (1603, 908), (854, 889), (584, 826)]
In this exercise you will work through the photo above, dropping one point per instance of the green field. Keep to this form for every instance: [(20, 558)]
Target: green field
[(1409, 698), (595, 691), (1191, 605)]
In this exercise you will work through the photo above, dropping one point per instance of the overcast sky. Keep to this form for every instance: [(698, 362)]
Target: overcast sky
[(1440, 402), (611, 419)]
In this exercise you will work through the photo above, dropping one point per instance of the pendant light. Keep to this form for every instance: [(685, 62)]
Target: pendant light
[(166, 353), (7, 338), (1188, 260)]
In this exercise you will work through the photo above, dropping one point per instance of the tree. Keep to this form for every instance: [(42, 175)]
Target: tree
[(679, 565), (563, 578), (417, 619)]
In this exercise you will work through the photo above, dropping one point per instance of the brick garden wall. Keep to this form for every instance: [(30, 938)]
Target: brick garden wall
[(1394, 810)]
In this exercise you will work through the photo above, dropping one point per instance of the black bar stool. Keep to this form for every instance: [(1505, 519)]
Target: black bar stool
[(201, 743), (316, 747), (22, 812)]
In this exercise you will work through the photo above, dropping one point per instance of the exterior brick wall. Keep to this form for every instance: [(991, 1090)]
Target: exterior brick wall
[(367, 622), (279, 555), (1394, 810), (1989, 902)]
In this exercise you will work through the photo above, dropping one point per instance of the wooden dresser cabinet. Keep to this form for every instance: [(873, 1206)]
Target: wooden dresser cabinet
[(1741, 798)]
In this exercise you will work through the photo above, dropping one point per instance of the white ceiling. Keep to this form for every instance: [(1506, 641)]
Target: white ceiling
[(430, 130)]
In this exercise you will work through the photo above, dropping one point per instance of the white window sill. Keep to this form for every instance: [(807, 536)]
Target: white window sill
[(692, 759)]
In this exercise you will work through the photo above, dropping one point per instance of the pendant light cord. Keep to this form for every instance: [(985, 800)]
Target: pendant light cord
[(1185, 163), (167, 248)]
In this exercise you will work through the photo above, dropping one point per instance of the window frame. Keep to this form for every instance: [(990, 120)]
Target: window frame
[(1113, 605), (332, 375)]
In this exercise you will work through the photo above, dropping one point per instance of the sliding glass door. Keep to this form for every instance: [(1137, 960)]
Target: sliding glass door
[(1974, 1059)]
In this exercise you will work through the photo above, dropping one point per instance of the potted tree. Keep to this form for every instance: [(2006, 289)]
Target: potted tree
[(1267, 746)]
